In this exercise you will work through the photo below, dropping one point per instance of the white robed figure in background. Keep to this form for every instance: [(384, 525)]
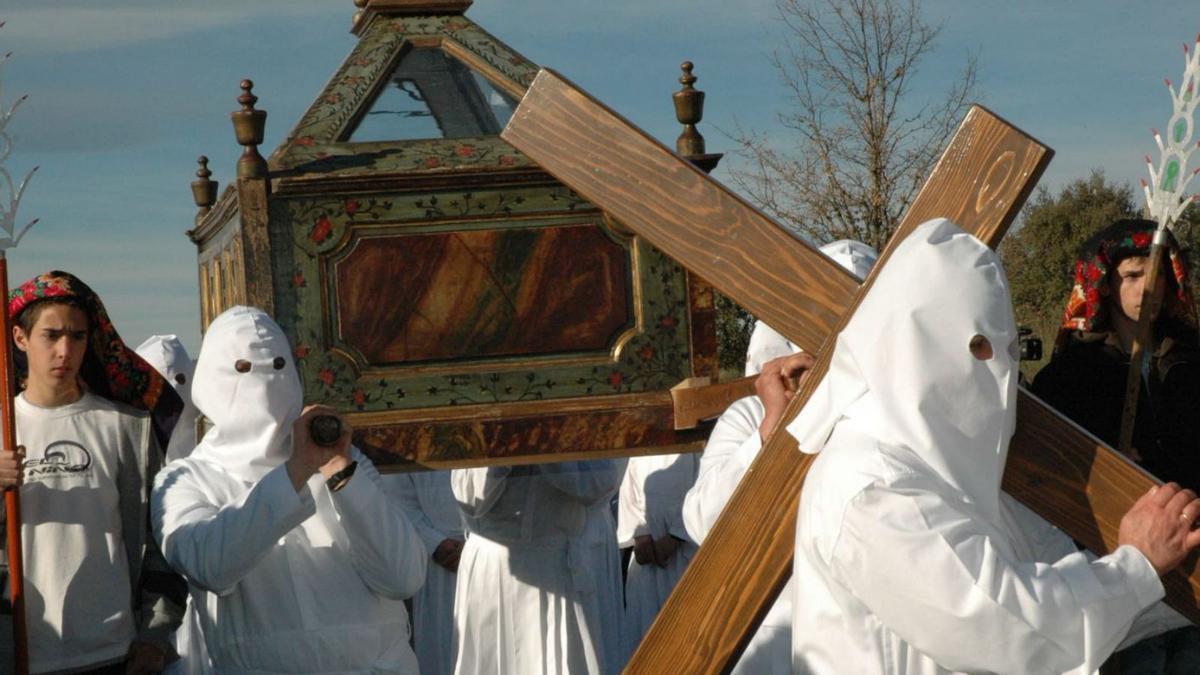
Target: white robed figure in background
[(909, 559), (650, 519), (429, 504), (733, 445), (170, 358), (296, 559), (539, 580)]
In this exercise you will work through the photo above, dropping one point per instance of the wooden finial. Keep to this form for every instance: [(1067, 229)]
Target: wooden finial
[(249, 125), (689, 110), (204, 190)]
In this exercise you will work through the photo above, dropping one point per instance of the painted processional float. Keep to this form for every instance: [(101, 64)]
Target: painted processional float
[(456, 301)]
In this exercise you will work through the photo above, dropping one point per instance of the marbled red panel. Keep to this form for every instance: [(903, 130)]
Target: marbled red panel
[(483, 293)]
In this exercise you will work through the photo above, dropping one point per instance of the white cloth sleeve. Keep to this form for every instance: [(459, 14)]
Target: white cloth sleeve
[(1050, 545), (631, 508), (384, 547), (403, 492), (477, 490), (731, 448), (935, 578), (584, 482), (214, 547)]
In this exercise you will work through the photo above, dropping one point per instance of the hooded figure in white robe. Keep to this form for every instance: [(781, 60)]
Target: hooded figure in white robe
[(539, 581), (170, 358), (428, 502), (766, 343), (733, 445), (306, 580), (650, 504), (908, 557)]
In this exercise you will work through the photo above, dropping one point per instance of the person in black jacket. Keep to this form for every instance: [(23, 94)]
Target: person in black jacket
[(1086, 378)]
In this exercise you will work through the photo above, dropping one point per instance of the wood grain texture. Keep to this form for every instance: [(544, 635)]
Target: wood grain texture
[(525, 433), (697, 402), (680, 210), (981, 180)]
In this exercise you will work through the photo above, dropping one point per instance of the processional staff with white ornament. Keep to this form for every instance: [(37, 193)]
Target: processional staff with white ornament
[(1165, 201)]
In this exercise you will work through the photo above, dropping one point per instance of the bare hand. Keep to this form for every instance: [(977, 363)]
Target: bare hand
[(12, 467), (144, 658), (1161, 524), (308, 457), (665, 547), (448, 553), (778, 382), (643, 550)]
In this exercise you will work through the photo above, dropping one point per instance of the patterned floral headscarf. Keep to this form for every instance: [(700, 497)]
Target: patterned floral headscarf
[(1101, 254), (110, 368)]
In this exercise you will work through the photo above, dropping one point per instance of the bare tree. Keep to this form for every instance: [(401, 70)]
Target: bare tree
[(863, 147)]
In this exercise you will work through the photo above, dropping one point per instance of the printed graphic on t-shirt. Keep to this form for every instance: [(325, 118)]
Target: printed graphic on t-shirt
[(62, 458)]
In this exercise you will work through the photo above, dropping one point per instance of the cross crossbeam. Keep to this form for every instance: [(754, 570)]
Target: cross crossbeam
[(980, 182)]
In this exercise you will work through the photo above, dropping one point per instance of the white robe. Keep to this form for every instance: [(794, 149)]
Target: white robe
[(651, 503), (307, 582), (428, 502), (731, 448), (538, 570), (909, 559), (961, 593)]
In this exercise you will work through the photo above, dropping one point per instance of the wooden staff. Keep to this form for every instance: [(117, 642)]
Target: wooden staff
[(1143, 338), (12, 496)]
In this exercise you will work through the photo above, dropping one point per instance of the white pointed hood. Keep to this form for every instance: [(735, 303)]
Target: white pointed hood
[(766, 343), (902, 370), (169, 357), (251, 412)]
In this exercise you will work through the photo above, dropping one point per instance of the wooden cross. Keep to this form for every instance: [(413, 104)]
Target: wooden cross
[(986, 173)]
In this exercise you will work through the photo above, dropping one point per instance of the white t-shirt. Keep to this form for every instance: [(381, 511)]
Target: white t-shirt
[(76, 572)]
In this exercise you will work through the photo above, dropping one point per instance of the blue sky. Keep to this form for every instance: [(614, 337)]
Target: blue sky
[(124, 94)]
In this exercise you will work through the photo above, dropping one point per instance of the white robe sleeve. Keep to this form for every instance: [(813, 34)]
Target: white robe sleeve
[(214, 547), (936, 579), (584, 482), (403, 491), (384, 546), (477, 490), (731, 448), (631, 507), (1050, 545)]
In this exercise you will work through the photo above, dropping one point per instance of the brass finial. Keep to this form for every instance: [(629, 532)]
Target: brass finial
[(249, 125), (689, 110), (361, 6), (204, 190)]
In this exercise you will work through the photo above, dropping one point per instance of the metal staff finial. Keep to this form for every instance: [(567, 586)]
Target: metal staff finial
[(1169, 180)]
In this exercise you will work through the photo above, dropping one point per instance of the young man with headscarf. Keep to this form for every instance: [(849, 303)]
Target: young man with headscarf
[(296, 559), (909, 559), (91, 417), (1086, 379), (734, 444)]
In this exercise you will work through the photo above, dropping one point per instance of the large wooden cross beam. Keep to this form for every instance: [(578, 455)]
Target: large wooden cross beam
[(980, 182)]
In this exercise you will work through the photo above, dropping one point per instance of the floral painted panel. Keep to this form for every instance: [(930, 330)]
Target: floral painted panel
[(650, 356)]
